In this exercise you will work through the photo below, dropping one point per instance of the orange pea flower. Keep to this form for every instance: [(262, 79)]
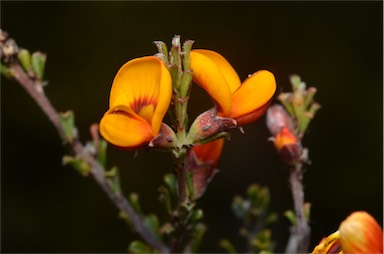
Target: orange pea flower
[(244, 102), (358, 233), (139, 98), (202, 161)]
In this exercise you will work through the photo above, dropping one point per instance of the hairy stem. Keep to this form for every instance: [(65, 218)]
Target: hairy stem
[(300, 232), (97, 171)]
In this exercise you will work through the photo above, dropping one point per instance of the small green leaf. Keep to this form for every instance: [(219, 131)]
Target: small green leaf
[(67, 120), (311, 91), (152, 222), (124, 216), (290, 215), (295, 81), (6, 72), (189, 182), (273, 217), (78, 163), (227, 246), (38, 64), (198, 235), (113, 179), (167, 228), (165, 198), (307, 210), (196, 215), (171, 184), (135, 202), (138, 247), (25, 59), (102, 152), (162, 48)]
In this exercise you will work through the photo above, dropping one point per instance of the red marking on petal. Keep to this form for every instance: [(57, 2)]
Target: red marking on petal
[(141, 102)]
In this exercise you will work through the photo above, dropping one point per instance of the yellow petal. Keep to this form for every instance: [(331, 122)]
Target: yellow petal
[(330, 244), (125, 129), (253, 94), (145, 86), (213, 76)]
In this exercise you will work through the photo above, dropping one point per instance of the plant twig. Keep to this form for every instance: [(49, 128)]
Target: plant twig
[(35, 90), (299, 238)]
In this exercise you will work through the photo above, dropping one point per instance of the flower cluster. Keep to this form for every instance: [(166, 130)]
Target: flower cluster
[(146, 88), (141, 94)]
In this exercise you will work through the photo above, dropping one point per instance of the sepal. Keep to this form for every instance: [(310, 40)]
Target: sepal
[(208, 124)]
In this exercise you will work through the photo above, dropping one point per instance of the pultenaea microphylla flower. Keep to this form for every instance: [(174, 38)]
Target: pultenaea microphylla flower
[(358, 233), (244, 102), (139, 98), (202, 161)]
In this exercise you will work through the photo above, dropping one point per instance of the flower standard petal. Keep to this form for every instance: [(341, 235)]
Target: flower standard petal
[(209, 75), (125, 129), (224, 66), (253, 94), (144, 85)]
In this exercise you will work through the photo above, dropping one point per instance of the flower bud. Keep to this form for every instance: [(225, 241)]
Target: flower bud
[(288, 146), (277, 118)]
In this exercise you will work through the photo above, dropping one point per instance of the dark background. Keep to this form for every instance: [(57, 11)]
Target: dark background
[(335, 46)]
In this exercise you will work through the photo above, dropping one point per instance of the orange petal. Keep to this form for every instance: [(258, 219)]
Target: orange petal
[(145, 86), (202, 161), (209, 152), (252, 116), (253, 94), (124, 129), (215, 75), (224, 66), (360, 233)]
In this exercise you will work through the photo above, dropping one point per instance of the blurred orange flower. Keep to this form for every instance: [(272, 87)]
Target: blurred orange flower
[(358, 233)]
